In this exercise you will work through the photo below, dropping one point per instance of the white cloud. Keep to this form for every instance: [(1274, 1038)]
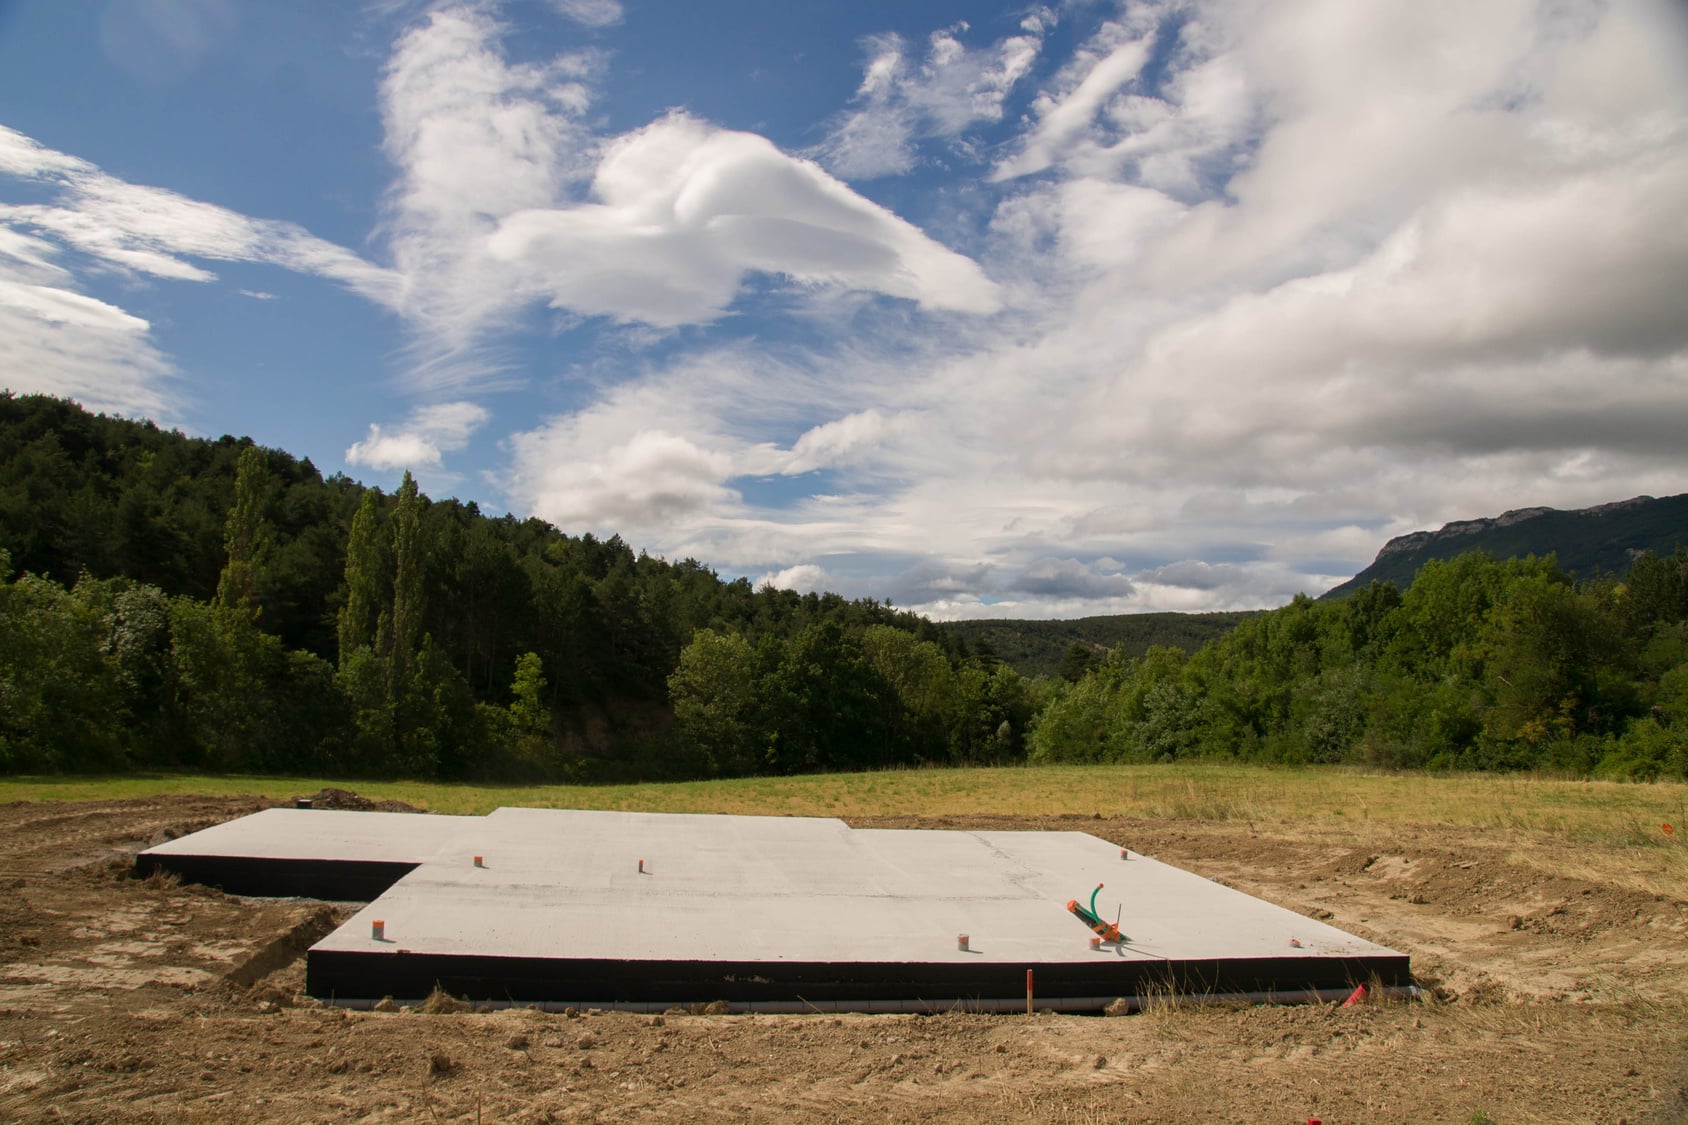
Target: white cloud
[(684, 210), (641, 482), (421, 440), (803, 578), (902, 101), (1113, 57), (1070, 578), (474, 138), (592, 13), (1290, 279), (24, 256), (1266, 284), (154, 231), (844, 440), (506, 197), (60, 341)]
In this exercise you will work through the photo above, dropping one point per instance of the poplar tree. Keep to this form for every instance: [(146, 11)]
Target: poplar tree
[(363, 580), (408, 567), (247, 538)]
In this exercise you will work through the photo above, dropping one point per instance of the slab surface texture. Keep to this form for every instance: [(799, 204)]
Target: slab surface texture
[(652, 909)]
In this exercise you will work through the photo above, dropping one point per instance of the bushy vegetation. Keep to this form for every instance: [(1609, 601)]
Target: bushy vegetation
[(1480, 665)]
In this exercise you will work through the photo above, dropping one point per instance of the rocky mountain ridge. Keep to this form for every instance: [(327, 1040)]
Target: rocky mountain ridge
[(1605, 538)]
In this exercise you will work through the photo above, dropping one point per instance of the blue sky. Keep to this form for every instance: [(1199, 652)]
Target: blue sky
[(987, 309)]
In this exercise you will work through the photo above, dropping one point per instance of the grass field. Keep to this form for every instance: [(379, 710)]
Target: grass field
[(1599, 812)]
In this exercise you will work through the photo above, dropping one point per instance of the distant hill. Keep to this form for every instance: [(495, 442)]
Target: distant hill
[(1036, 648), (1604, 539)]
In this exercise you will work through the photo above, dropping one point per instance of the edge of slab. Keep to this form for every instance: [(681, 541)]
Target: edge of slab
[(339, 975)]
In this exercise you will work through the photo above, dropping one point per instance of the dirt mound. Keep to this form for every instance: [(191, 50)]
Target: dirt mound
[(345, 799)]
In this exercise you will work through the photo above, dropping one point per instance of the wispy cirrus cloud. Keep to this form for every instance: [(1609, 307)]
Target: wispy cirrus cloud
[(903, 100), (56, 339), (592, 13), (154, 231)]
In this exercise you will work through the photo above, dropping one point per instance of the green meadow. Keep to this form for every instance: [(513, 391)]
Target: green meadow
[(1596, 811)]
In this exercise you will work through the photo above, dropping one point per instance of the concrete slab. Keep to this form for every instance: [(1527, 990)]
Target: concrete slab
[(312, 853), (646, 909)]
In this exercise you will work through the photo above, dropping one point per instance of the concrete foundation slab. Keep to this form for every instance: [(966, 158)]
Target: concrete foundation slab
[(647, 909), (310, 853)]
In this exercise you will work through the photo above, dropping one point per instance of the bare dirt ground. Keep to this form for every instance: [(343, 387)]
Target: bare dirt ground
[(1556, 979)]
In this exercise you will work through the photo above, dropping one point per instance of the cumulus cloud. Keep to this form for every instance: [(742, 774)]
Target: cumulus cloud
[(902, 100), (650, 478), (850, 439), (421, 440), (803, 578)]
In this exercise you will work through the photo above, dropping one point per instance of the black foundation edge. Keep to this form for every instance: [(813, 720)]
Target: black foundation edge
[(337, 880), (342, 975)]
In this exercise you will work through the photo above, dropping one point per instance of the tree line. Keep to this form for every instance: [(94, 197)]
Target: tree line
[(1479, 665), (1067, 648), (168, 602), (183, 603)]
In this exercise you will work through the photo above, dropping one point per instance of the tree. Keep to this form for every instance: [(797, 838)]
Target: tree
[(1656, 591), (244, 701), (821, 705), (409, 566), (527, 696), (1077, 661), (525, 725), (714, 690), (915, 693), (61, 703), (364, 570), (247, 538)]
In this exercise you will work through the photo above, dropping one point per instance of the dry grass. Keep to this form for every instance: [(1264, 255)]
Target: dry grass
[(1606, 813)]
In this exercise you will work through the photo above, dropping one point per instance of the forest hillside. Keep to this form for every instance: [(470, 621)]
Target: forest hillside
[(169, 602)]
